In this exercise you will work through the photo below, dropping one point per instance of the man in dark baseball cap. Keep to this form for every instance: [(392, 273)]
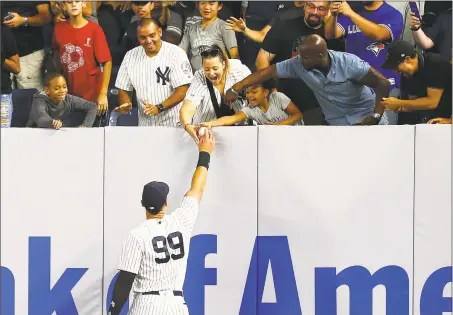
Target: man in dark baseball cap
[(426, 82), (398, 52), (154, 196)]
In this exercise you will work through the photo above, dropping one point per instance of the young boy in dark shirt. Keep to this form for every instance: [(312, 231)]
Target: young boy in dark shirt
[(52, 107)]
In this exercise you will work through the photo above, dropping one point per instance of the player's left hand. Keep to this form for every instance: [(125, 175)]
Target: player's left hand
[(103, 104), (151, 110), (16, 21), (391, 103), (367, 121)]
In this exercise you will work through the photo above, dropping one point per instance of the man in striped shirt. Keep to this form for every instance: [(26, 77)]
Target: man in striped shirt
[(154, 258), (159, 72)]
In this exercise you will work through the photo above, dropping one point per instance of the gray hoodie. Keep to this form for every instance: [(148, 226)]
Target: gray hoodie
[(44, 111)]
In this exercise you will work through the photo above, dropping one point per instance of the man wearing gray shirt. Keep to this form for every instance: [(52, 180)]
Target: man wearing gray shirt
[(209, 31), (341, 82)]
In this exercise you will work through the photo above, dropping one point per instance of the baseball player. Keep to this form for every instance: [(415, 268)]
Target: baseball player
[(154, 257), (160, 74)]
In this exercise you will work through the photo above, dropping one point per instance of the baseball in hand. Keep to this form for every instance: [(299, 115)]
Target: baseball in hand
[(202, 131)]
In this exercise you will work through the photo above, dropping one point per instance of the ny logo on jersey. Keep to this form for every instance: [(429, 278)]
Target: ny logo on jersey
[(163, 76), (376, 47)]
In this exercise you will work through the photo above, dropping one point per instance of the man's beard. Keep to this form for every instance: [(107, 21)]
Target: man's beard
[(312, 23)]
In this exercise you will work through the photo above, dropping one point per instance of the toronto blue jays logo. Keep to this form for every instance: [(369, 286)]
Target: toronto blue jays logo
[(376, 47)]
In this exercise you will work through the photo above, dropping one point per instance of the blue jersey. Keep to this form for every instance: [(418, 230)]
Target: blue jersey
[(372, 51)]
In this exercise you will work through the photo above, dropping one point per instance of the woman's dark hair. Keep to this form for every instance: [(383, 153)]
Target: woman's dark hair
[(215, 51)]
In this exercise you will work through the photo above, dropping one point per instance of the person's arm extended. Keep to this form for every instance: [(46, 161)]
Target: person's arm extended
[(239, 25), (376, 80), (226, 120), (187, 111), (12, 64), (176, 97), (256, 77), (431, 101), (43, 120), (199, 178), (257, 36), (121, 291), (294, 115), (89, 107)]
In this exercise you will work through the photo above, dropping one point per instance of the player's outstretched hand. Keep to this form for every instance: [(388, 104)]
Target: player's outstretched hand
[(207, 142)]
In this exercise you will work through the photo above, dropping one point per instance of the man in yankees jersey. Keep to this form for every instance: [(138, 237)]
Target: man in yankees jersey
[(154, 257), (159, 72)]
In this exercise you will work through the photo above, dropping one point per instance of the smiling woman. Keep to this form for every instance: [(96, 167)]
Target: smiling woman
[(204, 99)]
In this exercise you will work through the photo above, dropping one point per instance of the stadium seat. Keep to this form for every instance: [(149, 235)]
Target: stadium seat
[(130, 119), (22, 100)]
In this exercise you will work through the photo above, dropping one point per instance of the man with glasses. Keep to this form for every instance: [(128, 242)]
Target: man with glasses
[(281, 43), (341, 82)]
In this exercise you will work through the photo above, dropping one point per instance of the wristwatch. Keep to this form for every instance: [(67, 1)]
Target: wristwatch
[(25, 21), (377, 116), (160, 107)]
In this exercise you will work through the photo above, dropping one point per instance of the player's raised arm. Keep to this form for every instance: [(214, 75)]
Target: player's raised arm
[(206, 147)]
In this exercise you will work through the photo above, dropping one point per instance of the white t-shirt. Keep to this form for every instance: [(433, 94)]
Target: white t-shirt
[(278, 102)]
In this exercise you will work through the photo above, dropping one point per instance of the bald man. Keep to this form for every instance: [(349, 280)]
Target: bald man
[(159, 72), (341, 82)]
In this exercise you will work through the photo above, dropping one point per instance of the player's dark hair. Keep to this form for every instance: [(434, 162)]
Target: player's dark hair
[(147, 21), (49, 76)]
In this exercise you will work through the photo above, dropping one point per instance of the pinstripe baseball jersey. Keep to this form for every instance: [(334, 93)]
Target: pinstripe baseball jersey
[(198, 92), (157, 250), (154, 80)]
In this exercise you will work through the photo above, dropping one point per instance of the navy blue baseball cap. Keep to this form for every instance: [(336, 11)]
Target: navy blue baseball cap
[(396, 52), (154, 196)]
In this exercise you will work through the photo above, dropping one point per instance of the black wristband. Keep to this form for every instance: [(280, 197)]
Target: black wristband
[(203, 159)]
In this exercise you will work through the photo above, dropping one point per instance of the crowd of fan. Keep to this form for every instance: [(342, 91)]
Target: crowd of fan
[(190, 64)]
